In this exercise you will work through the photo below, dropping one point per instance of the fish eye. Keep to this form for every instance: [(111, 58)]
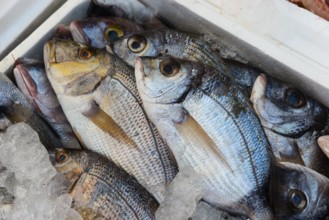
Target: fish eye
[(136, 43), (85, 53), (112, 33), (295, 99), (61, 157), (298, 200), (169, 67)]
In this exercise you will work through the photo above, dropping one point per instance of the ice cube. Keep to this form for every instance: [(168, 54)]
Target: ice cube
[(27, 173), (181, 196)]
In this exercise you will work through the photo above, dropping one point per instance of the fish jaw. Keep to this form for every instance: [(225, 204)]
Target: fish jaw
[(49, 59), (78, 33), (323, 143), (265, 110), (25, 82)]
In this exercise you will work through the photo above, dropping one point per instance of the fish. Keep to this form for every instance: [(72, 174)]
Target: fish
[(131, 10), (318, 7), (31, 79), (243, 75), (209, 125), (98, 94), (98, 31), (298, 192), (167, 41), (63, 31), (15, 107), (292, 122), (100, 189)]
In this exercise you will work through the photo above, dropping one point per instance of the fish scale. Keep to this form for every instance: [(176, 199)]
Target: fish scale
[(210, 126), (103, 190), (110, 119), (135, 113)]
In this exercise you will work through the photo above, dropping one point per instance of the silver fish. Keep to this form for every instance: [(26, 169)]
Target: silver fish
[(98, 94), (298, 192), (210, 126), (99, 31), (102, 190), (17, 108), (31, 79), (292, 121), (166, 41)]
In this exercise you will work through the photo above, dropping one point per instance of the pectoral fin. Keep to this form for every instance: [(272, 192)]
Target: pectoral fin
[(192, 131), (102, 120)]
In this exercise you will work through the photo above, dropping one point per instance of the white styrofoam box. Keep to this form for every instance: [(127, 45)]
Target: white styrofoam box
[(19, 18), (288, 42), (275, 35)]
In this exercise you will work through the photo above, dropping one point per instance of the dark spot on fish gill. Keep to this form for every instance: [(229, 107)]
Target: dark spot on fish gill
[(183, 96)]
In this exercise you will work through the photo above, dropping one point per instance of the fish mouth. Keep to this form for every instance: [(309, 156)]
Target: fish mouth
[(139, 70), (49, 53), (77, 33), (23, 74)]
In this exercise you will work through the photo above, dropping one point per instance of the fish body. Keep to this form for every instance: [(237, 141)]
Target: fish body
[(17, 108), (100, 99), (210, 126), (99, 31), (166, 41), (292, 121), (102, 190), (298, 192), (31, 79), (243, 75)]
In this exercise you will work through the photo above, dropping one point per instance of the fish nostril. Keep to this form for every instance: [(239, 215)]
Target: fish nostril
[(327, 2)]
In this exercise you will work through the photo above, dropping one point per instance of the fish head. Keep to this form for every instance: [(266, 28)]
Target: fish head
[(71, 163), (31, 78), (286, 110), (99, 31), (298, 192), (74, 68), (165, 79), (148, 43)]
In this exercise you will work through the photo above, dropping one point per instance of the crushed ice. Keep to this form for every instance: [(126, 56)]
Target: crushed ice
[(30, 187)]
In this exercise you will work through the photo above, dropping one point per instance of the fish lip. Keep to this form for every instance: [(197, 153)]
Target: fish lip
[(259, 88), (49, 53), (139, 63), (77, 33)]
